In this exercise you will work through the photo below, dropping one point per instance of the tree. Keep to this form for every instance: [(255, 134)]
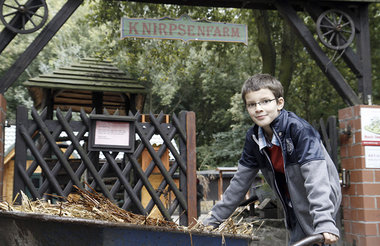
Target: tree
[(73, 41), (205, 77)]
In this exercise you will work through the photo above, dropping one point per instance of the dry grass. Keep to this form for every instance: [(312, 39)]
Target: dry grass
[(92, 205)]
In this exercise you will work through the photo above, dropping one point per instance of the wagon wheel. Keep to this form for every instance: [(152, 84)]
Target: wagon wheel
[(23, 16), (335, 29)]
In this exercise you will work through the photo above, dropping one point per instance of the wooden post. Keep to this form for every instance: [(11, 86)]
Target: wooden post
[(20, 157), (183, 219), (191, 169), (3, 111), (220, 181), (364, 51)]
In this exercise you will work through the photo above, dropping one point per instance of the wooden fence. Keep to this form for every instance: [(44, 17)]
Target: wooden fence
[(60, 158)]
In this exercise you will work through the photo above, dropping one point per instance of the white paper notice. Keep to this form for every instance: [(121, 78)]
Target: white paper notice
[(112, 133), (370, 121), (372, 156)]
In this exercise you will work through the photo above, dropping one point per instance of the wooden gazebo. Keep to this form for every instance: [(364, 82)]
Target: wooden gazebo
[(89, 84)]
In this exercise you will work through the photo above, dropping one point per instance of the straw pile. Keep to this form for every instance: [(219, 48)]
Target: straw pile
[(92, 205)]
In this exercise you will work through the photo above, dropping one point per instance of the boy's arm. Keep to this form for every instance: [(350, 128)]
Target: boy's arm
[(233, 195), (320, 180), (317, 185)]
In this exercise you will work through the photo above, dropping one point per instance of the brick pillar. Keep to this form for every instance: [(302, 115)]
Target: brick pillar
[(361, 199), (3, 110)]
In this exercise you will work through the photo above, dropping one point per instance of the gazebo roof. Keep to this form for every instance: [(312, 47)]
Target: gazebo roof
[(74, 86)]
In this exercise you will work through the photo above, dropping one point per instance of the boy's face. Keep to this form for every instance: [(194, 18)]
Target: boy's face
[(263, 107)]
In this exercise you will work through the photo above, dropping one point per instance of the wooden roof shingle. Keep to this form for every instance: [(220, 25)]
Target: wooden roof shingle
[(73, 87)]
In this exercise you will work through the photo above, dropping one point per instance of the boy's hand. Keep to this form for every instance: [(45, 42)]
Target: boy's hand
[(330, 238)]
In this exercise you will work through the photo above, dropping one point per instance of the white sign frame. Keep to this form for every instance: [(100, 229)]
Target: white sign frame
[(370, 126), (372, 156)]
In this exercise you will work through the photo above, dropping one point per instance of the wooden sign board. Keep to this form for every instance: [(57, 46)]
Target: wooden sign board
[(183, 28), (112, 133)]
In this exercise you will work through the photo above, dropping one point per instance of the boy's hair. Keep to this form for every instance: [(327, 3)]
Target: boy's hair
[(262, 81)]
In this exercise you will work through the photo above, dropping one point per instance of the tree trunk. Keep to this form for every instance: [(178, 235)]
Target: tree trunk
[(286, 66), (264, 41)]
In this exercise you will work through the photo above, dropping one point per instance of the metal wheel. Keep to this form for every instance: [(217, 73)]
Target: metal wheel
[(335, 29), (23, 16)]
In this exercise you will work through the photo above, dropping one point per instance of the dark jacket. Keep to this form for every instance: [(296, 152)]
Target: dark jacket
[(311, 176)]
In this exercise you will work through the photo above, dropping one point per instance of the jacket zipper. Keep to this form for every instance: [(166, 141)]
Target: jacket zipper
[(286, 176), (277, 189), (275, 181)]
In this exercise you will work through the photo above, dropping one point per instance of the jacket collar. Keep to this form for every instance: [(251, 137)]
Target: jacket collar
[(278, 125)]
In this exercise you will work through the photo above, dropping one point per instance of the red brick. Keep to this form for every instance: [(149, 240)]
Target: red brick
[(357, 109), (359, 162), (377, 175), (368, 229), (346, 113), (358, 137), (356, 150), (342, 124), (357, 124), (345, 140), (370, 241), (360, 241), (347, 226), (349, 214), (348, 163), (351, 125), (3, 102), (362, 176), (368, 215), (350, 190), (344, 151), (346, 201), (362, 202), (368, 189), (351, 239)]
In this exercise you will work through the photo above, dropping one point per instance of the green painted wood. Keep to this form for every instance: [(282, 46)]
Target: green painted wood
[(83, 87), (57, 82), (87, 78), (88, 74)]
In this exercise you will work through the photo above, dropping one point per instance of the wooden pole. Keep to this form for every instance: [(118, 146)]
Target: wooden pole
[(191, 169)]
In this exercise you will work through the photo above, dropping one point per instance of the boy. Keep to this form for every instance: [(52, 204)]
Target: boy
[(293, 161)]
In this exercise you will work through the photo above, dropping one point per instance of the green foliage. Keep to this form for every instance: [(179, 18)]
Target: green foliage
[(204, 77), (198, 76), (73, 41)]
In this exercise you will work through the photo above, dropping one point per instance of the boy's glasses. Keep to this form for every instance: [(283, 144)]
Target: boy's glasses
[(262, 103)]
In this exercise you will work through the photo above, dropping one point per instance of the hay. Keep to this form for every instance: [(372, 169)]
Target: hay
[(92, 205)]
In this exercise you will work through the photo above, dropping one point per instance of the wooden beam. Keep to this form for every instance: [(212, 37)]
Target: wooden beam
[(325, 64), (191, 169), (12, 74), (349, 56), (20, 158), (6, 36), (364, 52), (50, 103)]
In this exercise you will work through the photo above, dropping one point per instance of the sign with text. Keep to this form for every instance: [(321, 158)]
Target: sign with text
[(372, 156), (184, 28), (111, 133), (370, 123)]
